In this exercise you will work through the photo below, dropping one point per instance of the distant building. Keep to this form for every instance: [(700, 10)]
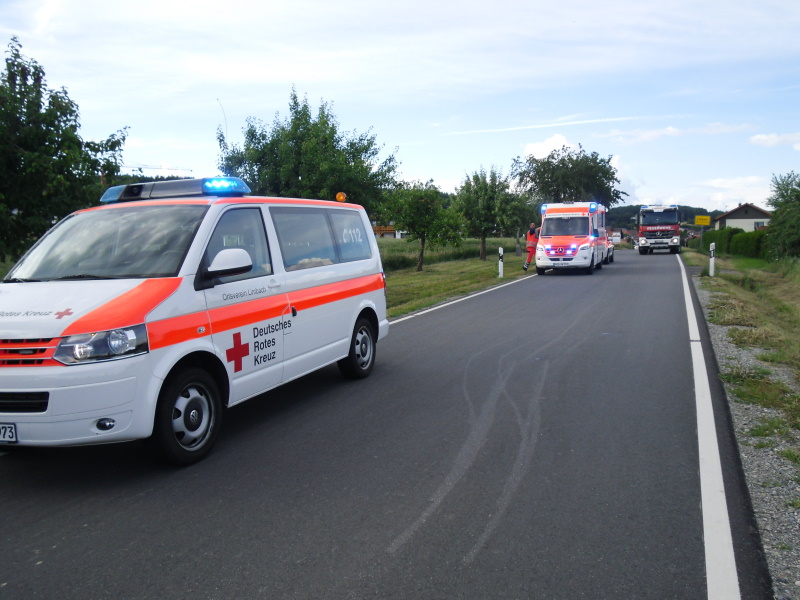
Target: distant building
[(745, 216)]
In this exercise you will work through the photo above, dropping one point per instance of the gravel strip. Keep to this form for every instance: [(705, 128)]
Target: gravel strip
[(773, 481)]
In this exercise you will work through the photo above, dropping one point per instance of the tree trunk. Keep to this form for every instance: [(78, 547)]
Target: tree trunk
[(421, 256), (483, 247)]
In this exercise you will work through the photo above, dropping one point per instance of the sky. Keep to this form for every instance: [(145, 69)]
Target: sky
[(697, 102)]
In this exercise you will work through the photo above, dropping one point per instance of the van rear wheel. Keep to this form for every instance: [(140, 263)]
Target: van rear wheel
[(188, 417), (359, 362)]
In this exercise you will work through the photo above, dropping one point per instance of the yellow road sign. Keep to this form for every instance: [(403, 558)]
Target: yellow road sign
[(702, 220)]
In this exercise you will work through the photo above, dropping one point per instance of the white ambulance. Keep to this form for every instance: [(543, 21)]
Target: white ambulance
[(573, 236), (147, 316)]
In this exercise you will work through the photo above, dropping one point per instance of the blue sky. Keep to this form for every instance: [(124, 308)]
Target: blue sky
[(698, 101)]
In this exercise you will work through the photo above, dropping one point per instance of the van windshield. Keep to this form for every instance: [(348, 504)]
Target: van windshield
[(120, 242), (565, 226)]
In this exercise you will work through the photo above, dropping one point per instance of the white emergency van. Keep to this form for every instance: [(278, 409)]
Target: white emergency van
[(148, 316), (573, 236)]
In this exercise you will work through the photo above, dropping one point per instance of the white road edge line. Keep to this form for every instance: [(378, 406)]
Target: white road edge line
[(446, 304), (722, 581)]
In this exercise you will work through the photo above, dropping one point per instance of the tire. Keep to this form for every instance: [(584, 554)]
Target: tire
[(539, 271), (363, 346), (590, 269), (642, 251), (675, 250), (611, 258), (188, 417), (599, 264)]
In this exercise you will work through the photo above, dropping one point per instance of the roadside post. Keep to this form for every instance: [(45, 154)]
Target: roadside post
[(501, 263), (712, 248)]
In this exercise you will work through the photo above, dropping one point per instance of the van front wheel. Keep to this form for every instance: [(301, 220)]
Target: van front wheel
[(359, 362), (188, 417)]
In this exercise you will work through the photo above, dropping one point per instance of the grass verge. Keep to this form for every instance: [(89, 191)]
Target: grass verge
[(759, 302)]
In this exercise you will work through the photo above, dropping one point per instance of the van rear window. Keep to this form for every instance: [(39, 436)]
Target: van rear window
[(314, 237)]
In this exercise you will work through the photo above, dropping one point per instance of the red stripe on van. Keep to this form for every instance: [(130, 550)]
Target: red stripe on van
[(127, 309), (324, 294), (242, 314), (169, 332)]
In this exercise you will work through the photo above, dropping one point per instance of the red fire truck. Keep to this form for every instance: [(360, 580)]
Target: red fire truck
[(659, 228)]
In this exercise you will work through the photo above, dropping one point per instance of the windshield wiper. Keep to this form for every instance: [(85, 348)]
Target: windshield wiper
[(82, 276), (18, 280)]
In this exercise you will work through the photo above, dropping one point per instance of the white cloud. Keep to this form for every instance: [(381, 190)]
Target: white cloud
[(727, 193), (542, 149), (776, 139), (648, 135)]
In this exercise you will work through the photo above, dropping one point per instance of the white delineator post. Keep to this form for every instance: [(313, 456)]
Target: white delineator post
[(500, 268), (712, 248)]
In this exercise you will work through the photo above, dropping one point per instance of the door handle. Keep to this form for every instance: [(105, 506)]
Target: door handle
[(273, 283), (294, 311)]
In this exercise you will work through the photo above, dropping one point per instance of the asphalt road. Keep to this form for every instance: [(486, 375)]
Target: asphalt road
[(537, 441)]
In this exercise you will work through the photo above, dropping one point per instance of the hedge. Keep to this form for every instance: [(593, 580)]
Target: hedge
[(748, 244)]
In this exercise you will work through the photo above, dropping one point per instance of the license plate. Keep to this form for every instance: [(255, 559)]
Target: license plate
[(8, 433)]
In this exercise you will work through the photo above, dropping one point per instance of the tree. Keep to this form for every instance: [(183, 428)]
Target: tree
[(46, 169), (483, 199), (421, 210), (569, 175), (783, 233), (304, 157)]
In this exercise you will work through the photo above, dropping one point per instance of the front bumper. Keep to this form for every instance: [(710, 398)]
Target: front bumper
[(73, 400), (580, 260), (663, 243)]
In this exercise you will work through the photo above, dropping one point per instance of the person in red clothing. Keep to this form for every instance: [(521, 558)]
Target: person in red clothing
[(532, 238)]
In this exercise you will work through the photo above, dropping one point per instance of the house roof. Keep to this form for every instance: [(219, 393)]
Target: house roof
[(744, 208)]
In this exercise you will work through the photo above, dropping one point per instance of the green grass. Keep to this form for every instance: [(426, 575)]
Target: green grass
[(408, 290), (399, 254)]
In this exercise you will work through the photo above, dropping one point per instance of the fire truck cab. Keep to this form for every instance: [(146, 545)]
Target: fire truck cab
[(573, 236)]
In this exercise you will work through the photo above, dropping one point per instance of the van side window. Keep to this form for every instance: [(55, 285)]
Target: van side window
[(304, 236), (351, 236), (242, 228)]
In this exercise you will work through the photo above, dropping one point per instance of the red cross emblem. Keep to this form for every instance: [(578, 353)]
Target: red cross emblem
[(237, 353), (64, 313)]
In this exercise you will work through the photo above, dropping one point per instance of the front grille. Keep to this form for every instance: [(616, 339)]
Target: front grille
[(654, 235), (27, 352), (24, 402)]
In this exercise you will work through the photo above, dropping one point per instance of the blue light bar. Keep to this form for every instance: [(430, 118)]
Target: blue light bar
[(543, 208), (225, 186), (592, 207), (112, 194), (177, 188)]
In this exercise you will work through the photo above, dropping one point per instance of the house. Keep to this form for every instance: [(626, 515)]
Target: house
[(745, 216)]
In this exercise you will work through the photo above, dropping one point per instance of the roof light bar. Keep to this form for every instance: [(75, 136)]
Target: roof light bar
[(177, 188)]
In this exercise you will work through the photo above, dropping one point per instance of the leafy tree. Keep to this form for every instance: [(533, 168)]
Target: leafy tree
[(46, 169), (484, 200), (783, 233), (569, 175), (306, 157), (421, 210)]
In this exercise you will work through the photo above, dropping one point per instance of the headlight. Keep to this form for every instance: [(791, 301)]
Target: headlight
[(104, 345), (584, 247)]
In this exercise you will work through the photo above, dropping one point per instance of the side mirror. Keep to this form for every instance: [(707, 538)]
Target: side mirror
[(233, 261)]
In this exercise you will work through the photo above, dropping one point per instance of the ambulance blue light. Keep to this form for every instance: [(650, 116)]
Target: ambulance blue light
[(112, 194), (543, 208), (223, 186), (592, 207)]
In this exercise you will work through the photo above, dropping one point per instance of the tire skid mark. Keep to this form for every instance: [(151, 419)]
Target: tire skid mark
[(480, 425)]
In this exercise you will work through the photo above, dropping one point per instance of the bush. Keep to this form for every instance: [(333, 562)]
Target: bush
[(722, 239), (748, 244)]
